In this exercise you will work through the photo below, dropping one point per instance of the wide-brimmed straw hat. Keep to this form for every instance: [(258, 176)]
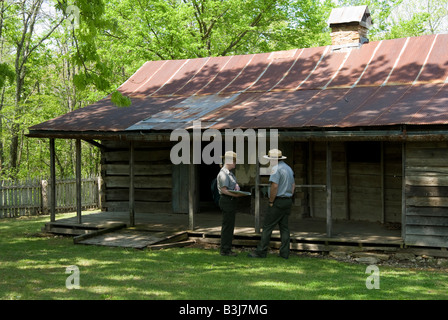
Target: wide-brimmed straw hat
[(274, 154), (229, 155)]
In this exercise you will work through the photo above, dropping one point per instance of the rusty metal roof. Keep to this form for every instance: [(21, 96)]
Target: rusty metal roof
[(383, 83)]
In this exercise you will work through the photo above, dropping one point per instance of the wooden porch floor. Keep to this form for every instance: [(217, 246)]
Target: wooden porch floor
[(306, 234)]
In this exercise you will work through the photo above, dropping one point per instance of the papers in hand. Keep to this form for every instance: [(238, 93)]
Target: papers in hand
[(246, 193)]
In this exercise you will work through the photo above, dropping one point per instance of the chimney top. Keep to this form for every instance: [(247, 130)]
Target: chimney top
[(349, 26), (351, 15)]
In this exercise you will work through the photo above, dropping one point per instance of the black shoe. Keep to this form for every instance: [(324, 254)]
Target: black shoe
[(229, 254), (254, 255)]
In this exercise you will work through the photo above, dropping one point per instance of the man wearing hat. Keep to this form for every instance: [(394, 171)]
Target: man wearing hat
[(281, 190), (226, 182)]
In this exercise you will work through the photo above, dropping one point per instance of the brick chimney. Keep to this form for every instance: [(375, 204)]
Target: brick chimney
[(349, 26)]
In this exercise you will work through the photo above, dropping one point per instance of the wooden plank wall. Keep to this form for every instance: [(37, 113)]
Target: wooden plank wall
[(153, 177), (426, 194), (318, 176), (299, 165), (358, 186)]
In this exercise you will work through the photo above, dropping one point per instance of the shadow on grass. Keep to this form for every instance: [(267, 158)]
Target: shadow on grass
[(33, 267)]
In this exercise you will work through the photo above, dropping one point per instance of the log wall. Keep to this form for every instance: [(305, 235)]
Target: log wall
[(426, 222), (368, 191), (152, 177), (362, 190)]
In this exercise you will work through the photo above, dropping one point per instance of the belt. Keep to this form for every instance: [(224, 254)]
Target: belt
[(227, 196), (282, 197)]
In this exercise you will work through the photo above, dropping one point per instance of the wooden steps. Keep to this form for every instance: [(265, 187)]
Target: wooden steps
[(117, 235), (134, 238), (69, 229)]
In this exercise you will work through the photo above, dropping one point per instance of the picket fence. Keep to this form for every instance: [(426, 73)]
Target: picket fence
[(32, 197)]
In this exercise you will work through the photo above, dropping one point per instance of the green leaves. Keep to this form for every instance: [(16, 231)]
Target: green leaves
[(160, 29), (6, 74), (119, 100)]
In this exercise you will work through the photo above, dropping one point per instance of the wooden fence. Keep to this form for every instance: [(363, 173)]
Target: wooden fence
[(32, 197)]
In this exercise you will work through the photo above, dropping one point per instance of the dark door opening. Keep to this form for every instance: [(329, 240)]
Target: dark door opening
[(207, 173)]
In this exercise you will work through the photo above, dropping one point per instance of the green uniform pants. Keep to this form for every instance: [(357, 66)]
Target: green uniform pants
[(228, 208), (277, 214)]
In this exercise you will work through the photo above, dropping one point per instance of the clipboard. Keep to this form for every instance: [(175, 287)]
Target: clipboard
[(246, 193)]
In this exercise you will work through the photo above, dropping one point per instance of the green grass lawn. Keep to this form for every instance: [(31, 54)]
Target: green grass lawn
[(33, 267)]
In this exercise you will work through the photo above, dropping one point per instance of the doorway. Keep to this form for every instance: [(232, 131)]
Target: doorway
[(207, 173)]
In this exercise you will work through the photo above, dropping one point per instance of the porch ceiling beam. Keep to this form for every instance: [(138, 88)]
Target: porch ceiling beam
[(96, 144), (318, 134)]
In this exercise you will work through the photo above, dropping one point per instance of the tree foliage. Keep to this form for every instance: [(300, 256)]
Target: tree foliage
[(60, 55)]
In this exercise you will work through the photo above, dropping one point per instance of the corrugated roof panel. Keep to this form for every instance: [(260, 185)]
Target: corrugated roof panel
[(257, 65), (304, 66), (305, 105), (411, 61), (161, 77), (321, 103), (374, 106), (435, 110), (379, 69), (141, 76), (230, 111), (279, 64), (414, 99), (207, 73), (355, 65), (185, 74), (343, 107), (436, 68), (184, 112), (227, 74), (267, 110), (327, 68), (104, 116)]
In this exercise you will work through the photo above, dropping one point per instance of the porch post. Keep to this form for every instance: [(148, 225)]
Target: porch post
[(329, 191), (257, 197), (191, 196), (131, 184), (310, 178), (403, 192), (383, 193), (78, 179), (52, 182)]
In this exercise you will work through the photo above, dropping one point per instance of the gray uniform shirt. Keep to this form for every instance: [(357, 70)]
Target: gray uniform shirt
[(282, 175), (226, 179)]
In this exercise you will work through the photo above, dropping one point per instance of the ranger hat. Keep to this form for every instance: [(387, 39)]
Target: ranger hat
[(274, 154)]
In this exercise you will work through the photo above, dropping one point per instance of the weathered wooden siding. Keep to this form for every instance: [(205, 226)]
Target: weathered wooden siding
[(153, 177), (300, 167), (369, 191), (366, 191), (426, 194)]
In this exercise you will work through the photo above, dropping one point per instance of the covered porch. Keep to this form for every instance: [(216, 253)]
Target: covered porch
[(307, 234)]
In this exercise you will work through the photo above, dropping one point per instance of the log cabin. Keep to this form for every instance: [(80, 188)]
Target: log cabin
[(363, 123)]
